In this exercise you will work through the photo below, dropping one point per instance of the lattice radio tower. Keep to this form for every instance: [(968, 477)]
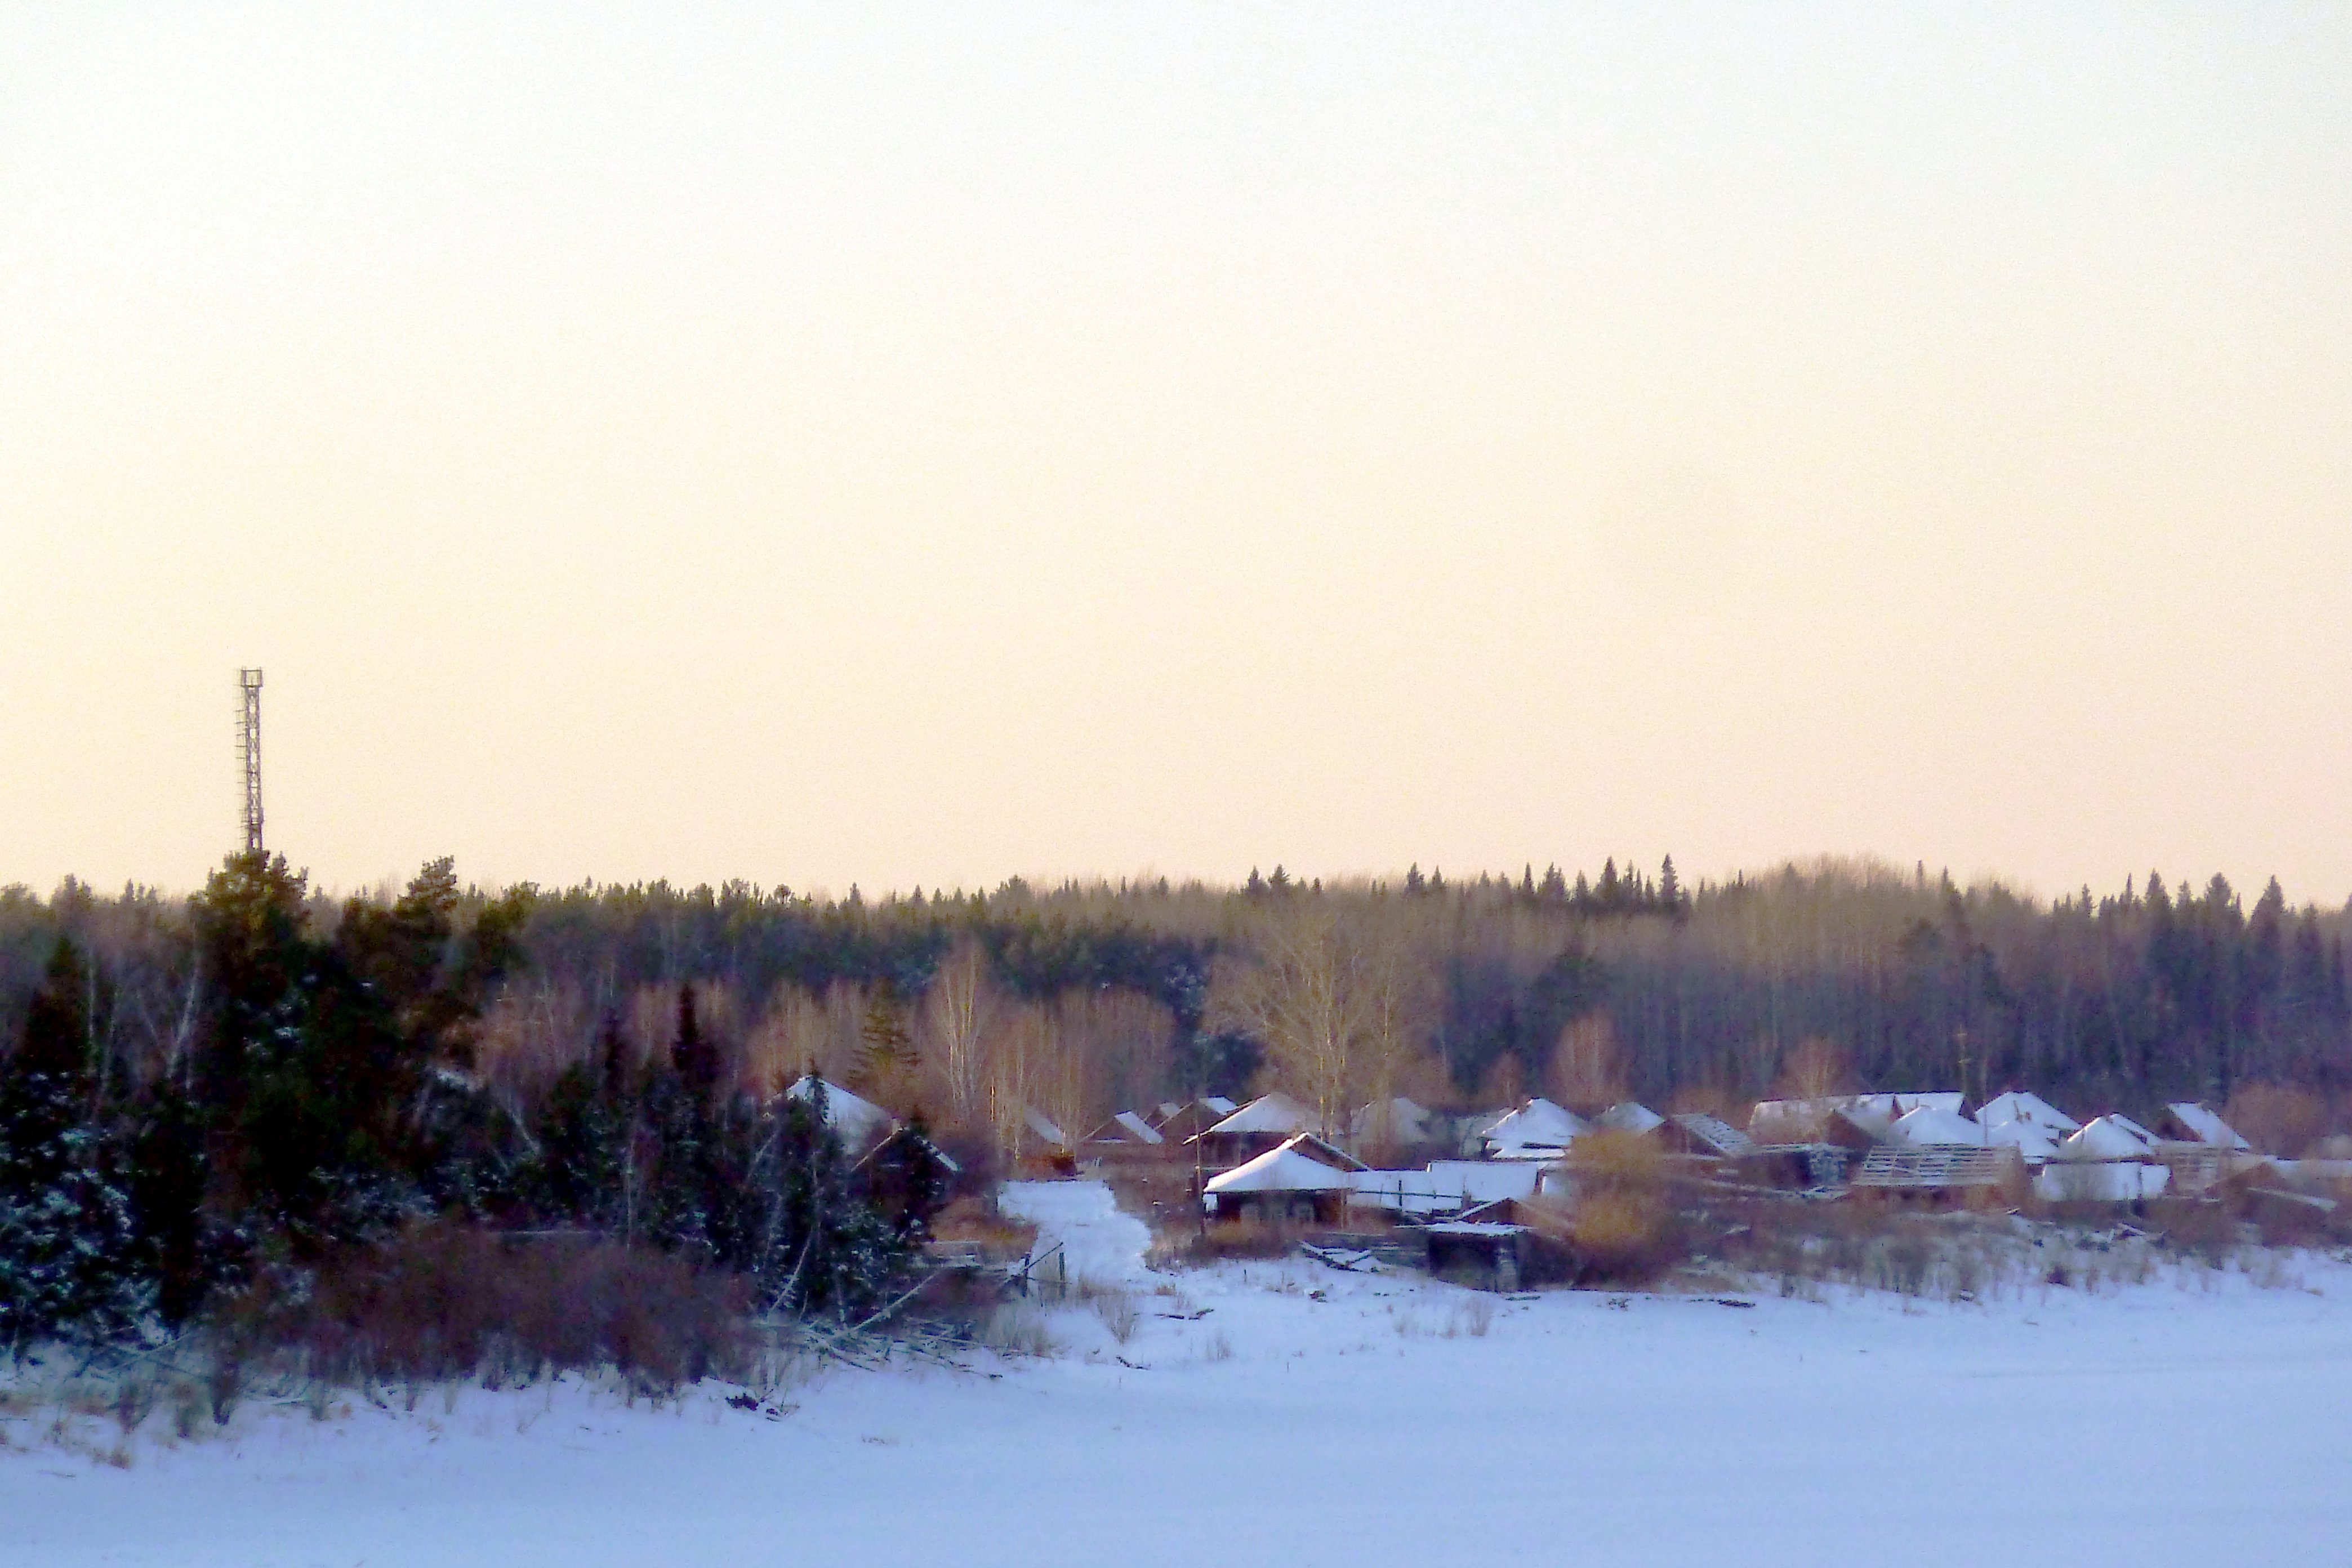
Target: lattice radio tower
[(248, 752)]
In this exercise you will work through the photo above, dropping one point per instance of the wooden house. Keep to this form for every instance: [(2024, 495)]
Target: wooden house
[(1294, 1183), (1261, 1125)]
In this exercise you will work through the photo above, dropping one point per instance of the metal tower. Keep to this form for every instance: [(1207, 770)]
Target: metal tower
[(248, 752)]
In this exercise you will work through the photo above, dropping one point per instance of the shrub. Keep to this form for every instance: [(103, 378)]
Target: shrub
[(445, 1302)]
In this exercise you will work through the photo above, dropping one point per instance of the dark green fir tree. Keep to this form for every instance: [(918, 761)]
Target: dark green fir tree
[(69, 1252)]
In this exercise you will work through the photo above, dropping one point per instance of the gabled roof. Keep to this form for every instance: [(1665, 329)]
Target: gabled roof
[(1927, 1125), (1793, 1120), (1282, 1170), (1535, 1129), (1712, 1133), (1275, 1113), (1126, 1127), (2018, 1106), (2109, 1138), (1628, 1116), (855, 1119), (2205, 1126), (2034, 1142)]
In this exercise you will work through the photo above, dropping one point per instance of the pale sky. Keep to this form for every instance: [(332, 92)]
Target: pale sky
[(920, 445)]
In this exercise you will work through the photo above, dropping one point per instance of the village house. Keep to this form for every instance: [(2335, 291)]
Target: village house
[(1302, 1181)]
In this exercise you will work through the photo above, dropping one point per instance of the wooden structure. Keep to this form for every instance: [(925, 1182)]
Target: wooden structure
[(1942, 1174), (1261, 1125), (1294, 1183), (1705, 1137)]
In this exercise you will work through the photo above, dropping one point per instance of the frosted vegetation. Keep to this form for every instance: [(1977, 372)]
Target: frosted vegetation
[(2165, 1408)]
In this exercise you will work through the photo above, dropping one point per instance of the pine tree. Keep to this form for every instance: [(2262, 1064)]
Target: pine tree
[(1670, 891), (67, 1243)]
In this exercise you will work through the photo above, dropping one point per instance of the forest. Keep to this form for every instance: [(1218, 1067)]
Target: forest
[(259, 1073)]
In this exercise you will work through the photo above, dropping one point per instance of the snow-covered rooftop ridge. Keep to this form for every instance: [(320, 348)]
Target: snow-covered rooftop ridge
[(2205, 1125), (1282, 1170), (1275, 1112), (1537, 1126), (2111, 1137), (854, 1118), (2034, 1142), (1776, 1120), (1628, 1116), (2021, 1106), (1927, 1126)]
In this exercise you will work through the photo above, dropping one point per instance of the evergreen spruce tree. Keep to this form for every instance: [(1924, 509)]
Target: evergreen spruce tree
[(695, 1056), (584, 1135), (821, 1250), (67, 1244), (177, 1245), (887, 1057)]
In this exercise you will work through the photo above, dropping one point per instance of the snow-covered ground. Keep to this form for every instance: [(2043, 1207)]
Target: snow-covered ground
[(1317, 1417)]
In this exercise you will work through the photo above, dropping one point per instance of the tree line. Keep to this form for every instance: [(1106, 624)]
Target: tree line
[(259, 1071)]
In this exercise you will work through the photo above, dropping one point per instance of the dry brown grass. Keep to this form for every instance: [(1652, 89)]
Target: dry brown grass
[(1224, 1239), (975, 1218)]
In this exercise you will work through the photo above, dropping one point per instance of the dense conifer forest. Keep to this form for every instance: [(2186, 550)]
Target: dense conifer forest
[(198, 1091)]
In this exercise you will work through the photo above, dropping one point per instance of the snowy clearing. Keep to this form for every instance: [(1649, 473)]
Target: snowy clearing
[(1282, 1411)]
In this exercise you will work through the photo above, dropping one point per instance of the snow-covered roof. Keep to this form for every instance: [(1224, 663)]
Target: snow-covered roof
[(1716, 1135), (1446, 1185), (1791, 1120), (1628, 1116), (2091, 1181), (2208, 1127), (1275, 1113), (1485, 1228), (2109, 1138), (1043, 1127), (2020, 1106), (855, 1119), (1127, 1127), (2034, 1142), (1535, 1129), (1218, 1103), (1282, 1170), (1929, 1125)]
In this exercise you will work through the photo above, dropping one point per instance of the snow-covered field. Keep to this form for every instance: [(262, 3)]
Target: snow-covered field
[(1317, 1417)]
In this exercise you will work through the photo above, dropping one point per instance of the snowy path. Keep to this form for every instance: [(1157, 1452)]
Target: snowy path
[(1104, 1245), (1323, 1418)]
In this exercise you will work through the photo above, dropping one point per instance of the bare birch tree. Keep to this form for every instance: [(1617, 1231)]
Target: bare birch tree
[(1335, 994)]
